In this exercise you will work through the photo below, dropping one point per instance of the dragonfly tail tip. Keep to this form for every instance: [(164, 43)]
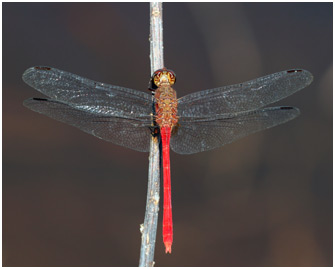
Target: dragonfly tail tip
[(168, 247)]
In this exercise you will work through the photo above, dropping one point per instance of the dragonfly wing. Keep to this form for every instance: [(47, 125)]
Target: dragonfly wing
[(206, 134), (130, 133), (250, 95), (94, 96)]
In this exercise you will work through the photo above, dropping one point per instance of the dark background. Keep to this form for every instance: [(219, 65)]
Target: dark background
[(70, 199)]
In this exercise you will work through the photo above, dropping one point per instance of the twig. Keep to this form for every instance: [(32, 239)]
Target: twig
[(149, 228), (156, 36)]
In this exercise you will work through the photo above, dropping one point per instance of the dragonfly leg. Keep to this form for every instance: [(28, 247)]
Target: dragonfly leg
[(154, 130), (152, 86)]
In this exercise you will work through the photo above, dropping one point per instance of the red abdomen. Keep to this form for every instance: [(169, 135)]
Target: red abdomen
[(167, 205)]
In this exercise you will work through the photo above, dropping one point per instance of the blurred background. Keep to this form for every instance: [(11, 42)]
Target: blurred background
[(70, 199)]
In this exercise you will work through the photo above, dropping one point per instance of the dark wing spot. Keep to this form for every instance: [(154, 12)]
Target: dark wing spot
[(175, 129), (40, 99), (286, 107), (294, 70), (42, 68)]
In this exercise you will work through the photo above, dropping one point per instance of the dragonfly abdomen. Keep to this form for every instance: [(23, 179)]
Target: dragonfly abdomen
[(167, 204)]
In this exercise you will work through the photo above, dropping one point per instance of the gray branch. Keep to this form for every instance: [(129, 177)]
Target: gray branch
[(149, 228)]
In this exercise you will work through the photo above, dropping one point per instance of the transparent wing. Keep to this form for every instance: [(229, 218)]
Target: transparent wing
[(245, 96), (96, 97), (194, 136), (130, 133)]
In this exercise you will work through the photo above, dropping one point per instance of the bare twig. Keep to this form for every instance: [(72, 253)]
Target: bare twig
[(149, 228), (156, 36)]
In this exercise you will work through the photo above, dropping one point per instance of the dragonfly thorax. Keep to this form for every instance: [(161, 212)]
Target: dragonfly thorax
[(166, 106)]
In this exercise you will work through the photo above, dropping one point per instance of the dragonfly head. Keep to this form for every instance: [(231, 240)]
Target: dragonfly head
[(164, 76)]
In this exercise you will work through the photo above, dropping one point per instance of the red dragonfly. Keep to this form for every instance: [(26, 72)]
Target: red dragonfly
[(196, 122)]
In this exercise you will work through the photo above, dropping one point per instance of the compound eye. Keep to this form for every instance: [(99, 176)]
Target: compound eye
[(172, 77), (157, 76)]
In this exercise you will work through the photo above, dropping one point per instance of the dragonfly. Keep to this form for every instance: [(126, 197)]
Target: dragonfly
[(196, 122)]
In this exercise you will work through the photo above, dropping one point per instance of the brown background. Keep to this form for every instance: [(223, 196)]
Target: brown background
[(70, 199)]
